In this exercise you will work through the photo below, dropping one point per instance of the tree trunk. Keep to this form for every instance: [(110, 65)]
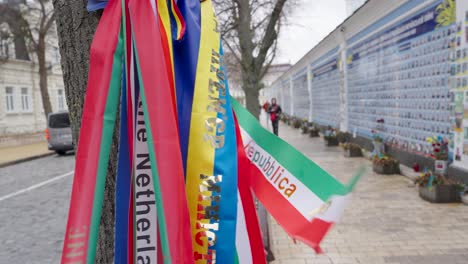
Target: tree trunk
[(76, 29), (251, 88), (40, 50)]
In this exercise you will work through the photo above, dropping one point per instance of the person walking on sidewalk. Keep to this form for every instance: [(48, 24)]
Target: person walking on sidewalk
[(275, 111)]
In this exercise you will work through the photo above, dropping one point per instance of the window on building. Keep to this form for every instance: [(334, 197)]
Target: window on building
[(61, 99), (9, 97), (25, 100), (56, 55)]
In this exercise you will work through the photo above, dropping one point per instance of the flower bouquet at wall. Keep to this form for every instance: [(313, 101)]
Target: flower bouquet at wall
[(305, 126), (436, 188), (342, 137), (377, 141), (385, 165), (352, 150), (439, 153), (330, 137), (284, 117), (297, 122), (314, 130)]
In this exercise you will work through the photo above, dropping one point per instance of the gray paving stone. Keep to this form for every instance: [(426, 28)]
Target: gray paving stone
[(33, 223), (385, 223)]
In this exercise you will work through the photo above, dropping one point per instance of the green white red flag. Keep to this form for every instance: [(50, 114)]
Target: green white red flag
[(302, 197)]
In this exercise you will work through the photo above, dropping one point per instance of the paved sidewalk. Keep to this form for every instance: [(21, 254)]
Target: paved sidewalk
[(14, 154), (386, 221)]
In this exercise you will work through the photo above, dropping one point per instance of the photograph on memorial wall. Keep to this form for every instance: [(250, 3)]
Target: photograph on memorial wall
[(465, 115), (326, 81), (466, 25), (400, 77), (458, 112)]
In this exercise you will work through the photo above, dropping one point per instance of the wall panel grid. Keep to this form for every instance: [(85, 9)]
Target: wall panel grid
[(286, 98), (326, 80), (405, 76), (400, 77), (301, 96)]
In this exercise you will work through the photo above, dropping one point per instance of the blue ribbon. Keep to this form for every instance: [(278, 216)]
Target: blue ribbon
[(123, 184), (185, 68), (226, 165), (94, 5)]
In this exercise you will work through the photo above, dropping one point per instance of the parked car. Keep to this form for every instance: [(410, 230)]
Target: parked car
[(58, 132)]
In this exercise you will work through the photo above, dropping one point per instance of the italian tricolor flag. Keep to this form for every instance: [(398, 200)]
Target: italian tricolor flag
[(302, 197)]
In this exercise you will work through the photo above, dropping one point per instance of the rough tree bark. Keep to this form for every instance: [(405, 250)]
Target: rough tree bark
[(76, 29)]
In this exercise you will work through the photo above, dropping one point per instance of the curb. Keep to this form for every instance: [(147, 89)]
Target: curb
[(13, 162)]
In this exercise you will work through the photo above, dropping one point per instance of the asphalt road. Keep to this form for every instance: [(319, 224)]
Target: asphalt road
[(34, 200)]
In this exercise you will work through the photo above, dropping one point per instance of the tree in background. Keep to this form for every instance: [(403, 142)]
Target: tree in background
[(31, 21), (250, 30)]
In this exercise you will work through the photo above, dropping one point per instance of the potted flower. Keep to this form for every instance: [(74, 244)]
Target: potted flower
[(439, 153), (330, 137), (385, 165), (377, 141), (352, 150), (342, 137), (288, 120), (305, 126), (435, 188), (314, 131), (297, 123)]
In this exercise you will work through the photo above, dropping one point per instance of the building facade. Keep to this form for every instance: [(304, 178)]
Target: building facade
[(403, 62), (353, 5), (21, 111)]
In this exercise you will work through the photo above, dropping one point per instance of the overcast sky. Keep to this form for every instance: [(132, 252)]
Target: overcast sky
[(310, 22)]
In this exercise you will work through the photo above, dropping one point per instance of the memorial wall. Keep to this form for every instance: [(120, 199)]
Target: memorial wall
[(405, 76), (301, 100), (400, 76), (325, 87)]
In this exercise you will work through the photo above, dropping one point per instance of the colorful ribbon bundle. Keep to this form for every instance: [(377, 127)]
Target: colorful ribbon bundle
[(184, 172)]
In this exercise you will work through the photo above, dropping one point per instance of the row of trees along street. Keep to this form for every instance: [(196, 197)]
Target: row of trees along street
[(249, 29)]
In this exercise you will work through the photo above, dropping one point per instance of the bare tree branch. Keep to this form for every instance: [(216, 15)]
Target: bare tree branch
[(32, 21), (250, 30)]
